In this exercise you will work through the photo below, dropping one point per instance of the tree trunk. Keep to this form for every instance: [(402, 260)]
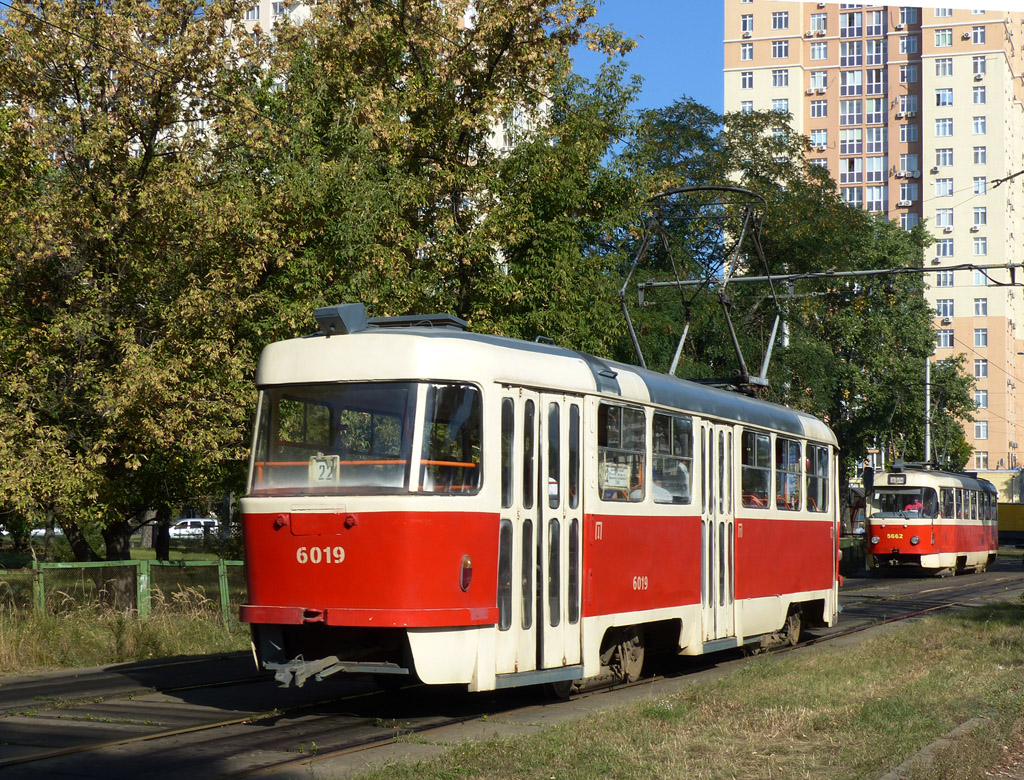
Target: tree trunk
[(162, 539)]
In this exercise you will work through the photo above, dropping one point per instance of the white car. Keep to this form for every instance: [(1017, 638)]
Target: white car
[(194, 528)]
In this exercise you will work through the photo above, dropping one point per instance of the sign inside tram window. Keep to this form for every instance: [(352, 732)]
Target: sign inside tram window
[(324, 469), (897, 479), (616, 477)]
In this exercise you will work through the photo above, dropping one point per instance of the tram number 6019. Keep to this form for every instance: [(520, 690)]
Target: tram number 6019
[(640, 582), (317, 555)]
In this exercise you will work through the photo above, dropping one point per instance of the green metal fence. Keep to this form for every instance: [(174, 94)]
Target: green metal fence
[(143, 587)]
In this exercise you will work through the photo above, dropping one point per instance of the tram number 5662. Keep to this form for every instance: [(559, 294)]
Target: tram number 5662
[(317, 555), (640, 582)]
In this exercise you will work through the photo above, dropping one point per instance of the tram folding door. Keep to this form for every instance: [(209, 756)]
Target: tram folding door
[(717, 529), (542, 511)]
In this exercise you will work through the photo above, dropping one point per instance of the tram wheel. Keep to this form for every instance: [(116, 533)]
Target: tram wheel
[(793, 627), (631, 658), (560, 690)]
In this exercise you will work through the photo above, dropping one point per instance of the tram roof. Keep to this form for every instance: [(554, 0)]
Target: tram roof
[(446, 353)]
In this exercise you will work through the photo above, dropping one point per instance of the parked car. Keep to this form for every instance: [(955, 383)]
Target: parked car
[(194, 528)]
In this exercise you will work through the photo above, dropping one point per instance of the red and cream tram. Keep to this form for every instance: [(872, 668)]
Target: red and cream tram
[(938, 520), (480, 510)]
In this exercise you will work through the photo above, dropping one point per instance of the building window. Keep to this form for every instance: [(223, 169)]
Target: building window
[(853, 196), (851, 141), (876, 142), (980, 185), (944, 278), (908, 162), (909, 220), (944, 37), (875, 170), (978, 34), (944, 247), (981, 426), (780, 105), (944, 218), (980, 216), (850, 112), (978, 125), (944, 96), (820, 162), (908, 74), (943, 157), (909, 133), (819, 137), (819, 108), (908, 191), (851, 82), (908, 103), (780, 50), (981, 337), (944, 307), (780, 77), (981, 460), (980, 278), (980, 155), (943, 188), (851, 170), (252, 14), (851, 25), (876, 81), (978, 65), (908, 44), (819, 22), (747, 79), (980, 247), (979, 96), (780, 20), (943, 12), (876, 23), (945, 338), (908, 15), (747, 23), (981, 307), (981, 399), (819, 50), (819, 79), (851, 53), (944, 127), (944, 66), (746, 51), (746, 106)]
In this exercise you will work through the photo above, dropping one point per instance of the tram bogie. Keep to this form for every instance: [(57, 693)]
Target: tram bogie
[(428, 503), (936, 521)]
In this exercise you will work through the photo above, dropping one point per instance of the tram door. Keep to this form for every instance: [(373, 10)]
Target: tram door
[(717, 529), (559, 529), (539, 569)]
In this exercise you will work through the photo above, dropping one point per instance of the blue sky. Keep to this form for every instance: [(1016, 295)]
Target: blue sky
[(679, 48)]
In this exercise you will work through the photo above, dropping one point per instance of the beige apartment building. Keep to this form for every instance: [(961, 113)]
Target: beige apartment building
[(918, 114)]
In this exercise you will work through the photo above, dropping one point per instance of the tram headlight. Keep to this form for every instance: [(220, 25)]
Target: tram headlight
[(466, 575), (915, 539), (875, 540)]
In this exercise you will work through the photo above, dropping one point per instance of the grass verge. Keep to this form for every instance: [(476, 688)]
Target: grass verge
[(822, 713), (186, 624)]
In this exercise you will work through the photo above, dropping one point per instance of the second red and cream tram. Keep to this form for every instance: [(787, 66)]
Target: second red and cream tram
[(940, 521), (462, 508)]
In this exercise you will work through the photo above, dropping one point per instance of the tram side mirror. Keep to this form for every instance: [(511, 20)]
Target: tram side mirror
[(869, 479)]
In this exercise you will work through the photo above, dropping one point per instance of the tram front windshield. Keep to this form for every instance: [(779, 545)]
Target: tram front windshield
[(363, 438), (905, 502)]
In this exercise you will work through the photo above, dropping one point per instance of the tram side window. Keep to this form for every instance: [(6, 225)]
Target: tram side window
[(672, 458), (756, 473), (787, 474), (621, 446), (817, 478), (960, 514), (947, 502), (507, 436), (451, 440)]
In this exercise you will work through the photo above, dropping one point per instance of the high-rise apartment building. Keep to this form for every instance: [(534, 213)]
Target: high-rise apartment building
[(918, 114)]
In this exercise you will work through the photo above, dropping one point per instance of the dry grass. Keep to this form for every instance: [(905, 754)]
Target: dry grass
[(185, 623), (822, 714)]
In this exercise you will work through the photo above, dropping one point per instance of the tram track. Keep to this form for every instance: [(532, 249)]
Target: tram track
[(262, 743)]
